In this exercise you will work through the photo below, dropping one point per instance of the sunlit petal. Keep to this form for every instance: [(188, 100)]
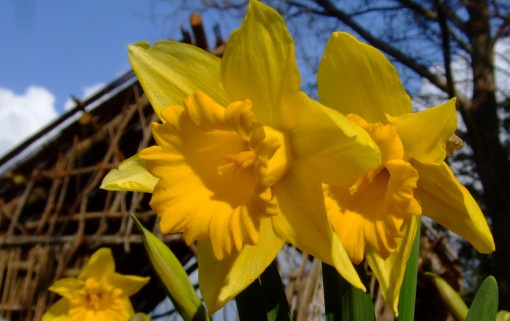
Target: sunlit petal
[(99, 265), (426, 133), (304, 223), (59, 311), (170, 71), (390, 272), (259, 63), (450, 204), (222, 280), (356, 78), (66, 287), (337, 149), (132, 175), (129, 284)]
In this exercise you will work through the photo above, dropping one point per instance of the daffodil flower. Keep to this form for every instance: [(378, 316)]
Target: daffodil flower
[(241, 154), (98, 293), (376, 214)]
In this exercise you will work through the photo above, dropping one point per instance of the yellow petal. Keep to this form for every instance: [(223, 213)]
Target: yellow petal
[(129, 284), (220, 281), (355, 78), (66, 287), (132, 175), (59, 311), (259, 63), (450, 204), (99, 266), (390, 272), (180, 195), (304, 223), (170, 71), (338, 150), (426, 133)]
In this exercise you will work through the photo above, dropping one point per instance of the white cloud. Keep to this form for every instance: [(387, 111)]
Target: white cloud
[(86, 92), (22, 115)]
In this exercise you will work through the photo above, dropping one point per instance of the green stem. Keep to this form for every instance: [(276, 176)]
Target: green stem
[(250, 303), (276, 301), (407, 299), (343, 302), (264, 299)]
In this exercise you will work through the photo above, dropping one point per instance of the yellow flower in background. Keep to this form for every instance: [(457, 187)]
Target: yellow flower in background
[(376, 214), (241, 154), (98, 293)]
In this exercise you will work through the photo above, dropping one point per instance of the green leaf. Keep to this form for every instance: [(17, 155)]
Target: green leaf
[(172, 275), (485, 304), (250, 303), (342, 300), (451, 298), (274, 294), (407, 298), (264, 299)]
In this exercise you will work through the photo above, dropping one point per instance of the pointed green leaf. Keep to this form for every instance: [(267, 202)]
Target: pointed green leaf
[(264, 299), (174, 278), (407, 298), (451, 298), (274, 294), (485, 304), (250, 303), (343, 302)]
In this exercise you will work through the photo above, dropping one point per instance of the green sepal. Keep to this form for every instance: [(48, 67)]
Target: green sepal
[(343, 301), (451, 298), (172, 275), (407, 299), (485, 303)]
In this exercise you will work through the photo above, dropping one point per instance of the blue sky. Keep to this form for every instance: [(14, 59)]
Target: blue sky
[(66, 45), (52, 49)]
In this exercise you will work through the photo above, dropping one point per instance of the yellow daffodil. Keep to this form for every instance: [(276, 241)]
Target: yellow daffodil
[(98, 293), (241, 154), (376, 214)]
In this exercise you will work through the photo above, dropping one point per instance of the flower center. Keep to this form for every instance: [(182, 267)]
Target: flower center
[(237, 162), (279, 160), (95, 295), (97, 301), (216, 166), (371, 211)]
